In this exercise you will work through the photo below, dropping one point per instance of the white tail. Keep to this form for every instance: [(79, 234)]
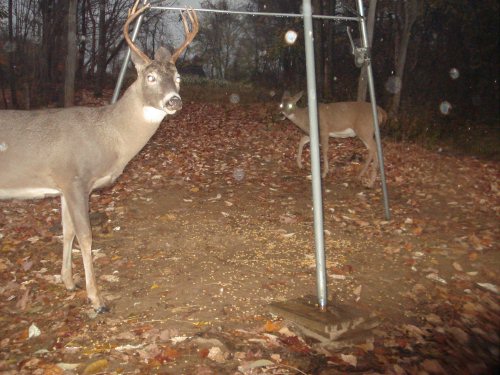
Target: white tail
[(339, 120), (69, 152)]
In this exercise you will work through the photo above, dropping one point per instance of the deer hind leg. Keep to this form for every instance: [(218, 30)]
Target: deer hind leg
[(68, 238), (78, 208), (303, 141)]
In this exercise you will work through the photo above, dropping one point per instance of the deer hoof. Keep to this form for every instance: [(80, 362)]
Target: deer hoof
[(367, 184), (73, 288), (102, 309)]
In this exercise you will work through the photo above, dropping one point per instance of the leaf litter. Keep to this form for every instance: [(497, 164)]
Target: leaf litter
[(212, 221)]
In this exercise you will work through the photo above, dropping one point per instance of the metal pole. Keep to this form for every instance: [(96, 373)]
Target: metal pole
[(123, 69), (371, 86), (250, 13), (315, 162)]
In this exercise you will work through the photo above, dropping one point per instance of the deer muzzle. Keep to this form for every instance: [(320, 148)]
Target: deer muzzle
[(173, 103)]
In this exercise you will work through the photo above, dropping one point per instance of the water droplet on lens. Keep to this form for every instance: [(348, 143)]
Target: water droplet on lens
[(393, 84), (9, 47), (239, 174), (445, 107), (234, 98), (290, 37), (454, 73)]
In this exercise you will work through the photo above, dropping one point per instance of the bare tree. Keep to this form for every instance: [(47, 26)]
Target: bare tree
[(409, 11), (83, 39), (12, 49), (329, 46), (70, 65), (221, 32), (101, 50)]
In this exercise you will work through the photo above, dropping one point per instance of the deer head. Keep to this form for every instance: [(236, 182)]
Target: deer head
[(289, 102), (158, 79)]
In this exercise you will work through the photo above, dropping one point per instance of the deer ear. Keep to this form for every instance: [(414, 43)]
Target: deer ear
[(137, 60), (163, 55), (297, 96)]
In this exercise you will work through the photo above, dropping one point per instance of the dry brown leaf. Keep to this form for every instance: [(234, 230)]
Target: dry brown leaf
[(96, 367), (272, 326)]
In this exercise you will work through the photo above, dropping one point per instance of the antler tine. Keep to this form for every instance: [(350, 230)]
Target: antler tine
[(193, 18), (132, 15)]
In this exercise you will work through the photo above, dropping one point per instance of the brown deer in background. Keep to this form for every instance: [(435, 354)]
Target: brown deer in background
[(69, 152), (339, 120)]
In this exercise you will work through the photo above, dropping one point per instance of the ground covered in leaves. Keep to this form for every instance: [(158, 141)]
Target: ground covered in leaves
[(212, 222)]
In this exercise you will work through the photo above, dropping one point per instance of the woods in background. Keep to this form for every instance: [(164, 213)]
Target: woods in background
[(424, 53)]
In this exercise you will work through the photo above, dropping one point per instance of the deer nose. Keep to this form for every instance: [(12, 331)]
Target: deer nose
[(174, 103)]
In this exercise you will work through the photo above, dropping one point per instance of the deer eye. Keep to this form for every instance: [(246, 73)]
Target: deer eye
[(178, 79), (151, 78), (290, 106), (281, 105)]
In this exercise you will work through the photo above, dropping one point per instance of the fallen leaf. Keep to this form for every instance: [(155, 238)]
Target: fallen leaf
[(68, 366), (256, 364), (33, 331), (460, 335), (350, 359), (271, 326), (50, 369), (432, 366), (490, 287), (457, 266), (95, 367), (435, 277), (216, 354), (110, 278)]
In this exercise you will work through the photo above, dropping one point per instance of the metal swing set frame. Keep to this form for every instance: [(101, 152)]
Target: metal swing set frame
[(362, 57)]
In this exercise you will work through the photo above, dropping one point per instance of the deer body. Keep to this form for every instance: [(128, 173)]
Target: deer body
[(69, 152), (338, 120), (56, 146)]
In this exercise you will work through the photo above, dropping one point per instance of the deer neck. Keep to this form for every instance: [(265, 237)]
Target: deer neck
[(135, 122), (300, 117)]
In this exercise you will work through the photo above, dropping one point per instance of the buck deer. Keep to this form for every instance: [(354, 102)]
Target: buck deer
[(69, 152), (339, 120)]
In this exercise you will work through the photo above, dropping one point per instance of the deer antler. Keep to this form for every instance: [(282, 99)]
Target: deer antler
[(132, 15), (189, 34)]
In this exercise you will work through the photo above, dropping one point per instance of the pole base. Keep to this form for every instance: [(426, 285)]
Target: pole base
[(339, 325)]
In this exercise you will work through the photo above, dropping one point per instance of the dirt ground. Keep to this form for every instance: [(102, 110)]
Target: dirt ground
[(212, 223)]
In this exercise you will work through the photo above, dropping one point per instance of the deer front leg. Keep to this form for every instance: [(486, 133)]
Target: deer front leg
[(305, 139), (373, 174), (366, 165), (68, 238), (78, 208), (372, 157)]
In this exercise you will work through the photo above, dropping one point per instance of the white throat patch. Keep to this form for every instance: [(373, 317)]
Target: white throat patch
[(152, 114)]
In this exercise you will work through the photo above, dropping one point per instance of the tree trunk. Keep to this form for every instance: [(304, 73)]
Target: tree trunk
[(82, 44), (101, 50), (319, 53), (363, 77), (70, 65), (410, 16), (12, 55), (47, 51), (328, 77)]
